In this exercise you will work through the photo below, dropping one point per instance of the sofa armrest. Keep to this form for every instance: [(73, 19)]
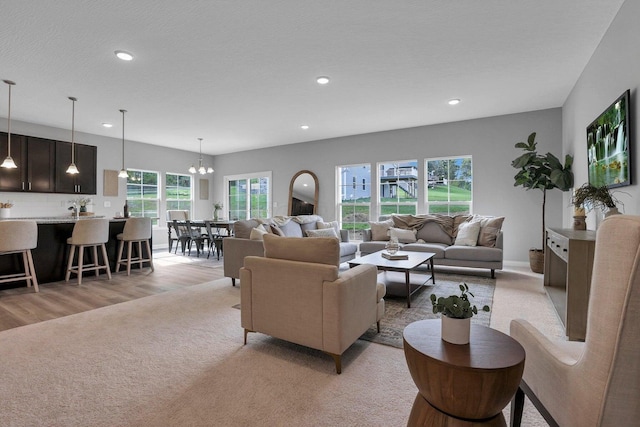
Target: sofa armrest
[(344, 236), (366, 235), (350, 306), (235, 250)]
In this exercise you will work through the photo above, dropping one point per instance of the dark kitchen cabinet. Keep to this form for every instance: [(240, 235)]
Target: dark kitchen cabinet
[(85, 159), (35, 158)]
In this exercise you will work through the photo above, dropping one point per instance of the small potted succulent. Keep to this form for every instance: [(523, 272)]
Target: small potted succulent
[(457, 312)]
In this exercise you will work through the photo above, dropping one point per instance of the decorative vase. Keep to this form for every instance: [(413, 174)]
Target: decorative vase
[(580, 222), (456, 331), (83, 208), (611, 211), (5, 212), (215, 214), (536, 260), (392, 246)]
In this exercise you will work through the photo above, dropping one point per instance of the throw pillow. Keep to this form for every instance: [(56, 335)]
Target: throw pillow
[(403, 236), (468, 234), (322, 232), (320, 225), (276, 230), (380, 230), (490, 226), (257, 233)]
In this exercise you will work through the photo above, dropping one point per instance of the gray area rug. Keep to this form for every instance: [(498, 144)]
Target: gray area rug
[(398, 316)]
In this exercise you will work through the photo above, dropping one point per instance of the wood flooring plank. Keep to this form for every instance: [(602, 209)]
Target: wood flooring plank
[(22, 306)]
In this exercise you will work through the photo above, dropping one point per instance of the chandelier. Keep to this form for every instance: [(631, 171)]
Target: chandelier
[(201, 168)]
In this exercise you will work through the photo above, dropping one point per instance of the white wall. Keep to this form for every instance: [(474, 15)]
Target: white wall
[(613, 68), (137, 156), (490, 141)]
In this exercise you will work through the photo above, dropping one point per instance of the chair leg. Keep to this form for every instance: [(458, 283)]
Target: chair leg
[(517, 405), (96, 262), (150, 255), (25, 263), (378, 325), (80, 263), (72, 254), (119, 258), (129, 255), (32, 271), (106, 260)]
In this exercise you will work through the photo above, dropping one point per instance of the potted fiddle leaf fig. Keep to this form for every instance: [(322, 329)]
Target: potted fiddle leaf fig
[(541, 172), (457, 312)]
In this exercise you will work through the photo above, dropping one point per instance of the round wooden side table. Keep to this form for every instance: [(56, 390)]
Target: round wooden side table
[(461, 385)]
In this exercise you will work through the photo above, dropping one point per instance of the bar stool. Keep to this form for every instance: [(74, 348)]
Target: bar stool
[(88, 233), (20, 237), (136, 230)]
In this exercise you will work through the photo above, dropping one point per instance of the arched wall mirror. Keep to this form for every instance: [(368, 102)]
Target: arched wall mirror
[(303, 193)]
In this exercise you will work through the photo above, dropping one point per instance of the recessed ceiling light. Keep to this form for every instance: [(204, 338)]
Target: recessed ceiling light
[(304, 127), (454, 101), (125, 56), (107, 125), (322, 80)]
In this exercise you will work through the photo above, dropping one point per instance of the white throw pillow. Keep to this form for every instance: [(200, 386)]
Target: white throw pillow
[(468, 234), (380, 230), (403, 235), (322, 232), (257, 233)]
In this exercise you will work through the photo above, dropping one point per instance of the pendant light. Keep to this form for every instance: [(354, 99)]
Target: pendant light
[(201, 169), (123, 172), (8, 161), (72, 169)]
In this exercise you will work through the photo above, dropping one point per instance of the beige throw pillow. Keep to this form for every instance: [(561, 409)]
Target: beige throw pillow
[(403, 235), (257, 233), (490, 226), (320, 225), (380, 230), (468, 234), (322, 232)]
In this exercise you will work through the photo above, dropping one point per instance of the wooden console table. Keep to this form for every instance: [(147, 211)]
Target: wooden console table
[(461, 385), (567, 276)]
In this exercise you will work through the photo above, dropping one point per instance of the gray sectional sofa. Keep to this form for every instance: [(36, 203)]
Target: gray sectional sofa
[(247, 242), (439, 234)]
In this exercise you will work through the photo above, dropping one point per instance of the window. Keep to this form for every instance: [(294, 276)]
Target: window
[(354, 201), (248, 196), (398, 187), (449, 185), (179, 193), (143, 197)]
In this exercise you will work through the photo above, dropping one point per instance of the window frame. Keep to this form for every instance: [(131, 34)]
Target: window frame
[(355, 230), (154, 219), (248, 177), (381, 204), (449, 202), (191, 200)]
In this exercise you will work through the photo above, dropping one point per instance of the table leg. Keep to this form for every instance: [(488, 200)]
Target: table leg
[(423, 414), (408, 282), (433, 274)]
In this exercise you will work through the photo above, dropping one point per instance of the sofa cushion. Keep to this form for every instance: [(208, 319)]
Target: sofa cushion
[(347, 249), (468, 234), (372, 246), (323, 232), (402, 235), (332, 224), (432, 232), (436, 248), (321, 250), (490, 226), (242, 229), (380, 230), (476, 253)]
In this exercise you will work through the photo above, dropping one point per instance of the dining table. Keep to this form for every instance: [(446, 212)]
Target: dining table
[(201, 223)]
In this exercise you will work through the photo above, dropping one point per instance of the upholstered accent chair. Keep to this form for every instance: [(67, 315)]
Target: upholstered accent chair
[(595, 382), (297, 293)]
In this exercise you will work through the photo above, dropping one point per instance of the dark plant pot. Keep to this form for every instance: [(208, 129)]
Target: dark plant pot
[(83, 208), (536, 260)]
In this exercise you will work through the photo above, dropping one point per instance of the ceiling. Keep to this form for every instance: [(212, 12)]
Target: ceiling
[(241, 73)]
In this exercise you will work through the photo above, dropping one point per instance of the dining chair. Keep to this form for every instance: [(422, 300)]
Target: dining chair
[(19, 237), (215, 240), (136, 230), (88, 233)]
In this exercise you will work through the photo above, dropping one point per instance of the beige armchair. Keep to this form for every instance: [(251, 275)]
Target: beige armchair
[(296, 293), (595, 382)]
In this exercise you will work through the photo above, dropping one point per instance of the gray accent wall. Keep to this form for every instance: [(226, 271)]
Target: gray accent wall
[(613, 68), (490, 141)]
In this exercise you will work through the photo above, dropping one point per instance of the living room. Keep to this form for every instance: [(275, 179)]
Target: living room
[(611, 70)]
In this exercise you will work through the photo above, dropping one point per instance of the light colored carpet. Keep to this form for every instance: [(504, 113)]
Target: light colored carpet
[(177, 359)]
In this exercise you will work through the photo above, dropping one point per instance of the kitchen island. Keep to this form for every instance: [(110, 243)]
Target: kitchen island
[(50, 257)]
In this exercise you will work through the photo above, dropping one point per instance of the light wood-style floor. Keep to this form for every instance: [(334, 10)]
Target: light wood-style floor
[(22, 306)]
